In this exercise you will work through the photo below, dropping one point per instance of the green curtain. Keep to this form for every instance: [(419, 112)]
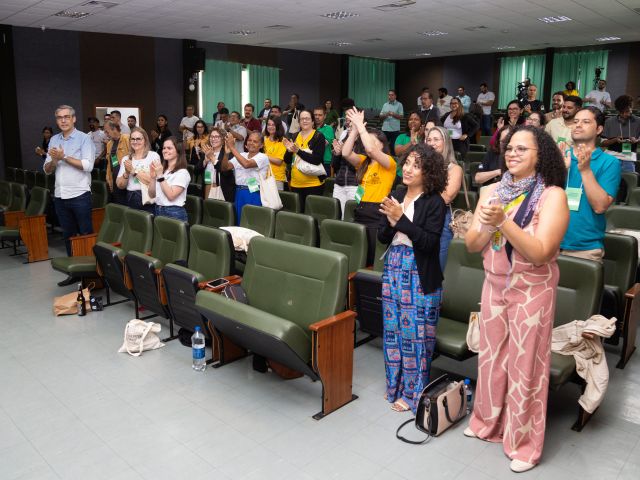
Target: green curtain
[(264, 82), (514, 70), (579, 67), (370, 80), (221, 81)]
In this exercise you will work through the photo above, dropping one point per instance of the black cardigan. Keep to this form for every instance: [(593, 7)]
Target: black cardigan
[(424, 232), (468, 122)]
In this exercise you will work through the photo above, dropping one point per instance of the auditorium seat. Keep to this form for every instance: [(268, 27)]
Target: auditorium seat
[(259, 219), (290, 201), (350, 211), (217, 213), (293, 316), (193, 206), (321, 208), (29, 225), (296, 228)]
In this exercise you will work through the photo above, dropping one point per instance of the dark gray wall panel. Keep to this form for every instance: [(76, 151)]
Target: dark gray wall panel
[(168, 66)]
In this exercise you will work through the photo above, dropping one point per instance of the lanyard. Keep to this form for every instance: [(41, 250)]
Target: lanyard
[(496, 238), (569, 175), (620, 125)]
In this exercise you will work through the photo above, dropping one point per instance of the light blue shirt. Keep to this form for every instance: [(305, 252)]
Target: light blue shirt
[(391, 124), (586, 227), (72, 182), (466, 102)]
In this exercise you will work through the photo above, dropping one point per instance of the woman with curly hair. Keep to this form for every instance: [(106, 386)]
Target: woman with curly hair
[(412, 278), (518, 226)]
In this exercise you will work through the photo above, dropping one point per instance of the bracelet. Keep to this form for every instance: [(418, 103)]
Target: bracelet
[(160, 180), (498, 227)]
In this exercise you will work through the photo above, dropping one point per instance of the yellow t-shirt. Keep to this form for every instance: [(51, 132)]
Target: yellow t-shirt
[(277, 150), (377, 180), (300, 180)]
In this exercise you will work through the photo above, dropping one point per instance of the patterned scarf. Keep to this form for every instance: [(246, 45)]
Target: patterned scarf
[(510, 189)]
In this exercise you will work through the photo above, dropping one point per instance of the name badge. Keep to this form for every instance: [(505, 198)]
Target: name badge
[(252, 183), (573, 198), (561, 139), (359, 194), (207, 177), (114, 161), (626, 148), (135, 180)]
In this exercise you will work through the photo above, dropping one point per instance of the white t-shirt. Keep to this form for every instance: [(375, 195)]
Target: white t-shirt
[(188, 122), (243, 174), (400, 238), (454, 128), (98, 138), (599, 96), (444, 104), (141, 165), (242, 131), (124, 128), (180, 178), (486, 97)]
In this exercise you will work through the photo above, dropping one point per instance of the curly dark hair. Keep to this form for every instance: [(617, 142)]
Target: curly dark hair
[(497, 146), (550, 162), (623, 103), (434, 174)]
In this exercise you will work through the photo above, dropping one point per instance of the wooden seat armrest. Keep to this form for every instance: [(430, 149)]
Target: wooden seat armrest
[(633, 291), (334, 319), (116, 244), (233, 280), (83, 237), (12, 218), (351, 275)]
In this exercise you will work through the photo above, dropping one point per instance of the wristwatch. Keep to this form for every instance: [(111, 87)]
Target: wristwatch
[(160, 179)]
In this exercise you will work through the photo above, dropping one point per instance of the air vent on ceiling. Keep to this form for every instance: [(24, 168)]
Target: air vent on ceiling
[(340, 15), (372, 40), (395, 6), (95, 3), (503, 47), (278, 27), (433, 33), (475, 29), (243, 33), (340, 44), (72, 14)]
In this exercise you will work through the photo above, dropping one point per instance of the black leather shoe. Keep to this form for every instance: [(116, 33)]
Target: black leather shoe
[(68, 281)]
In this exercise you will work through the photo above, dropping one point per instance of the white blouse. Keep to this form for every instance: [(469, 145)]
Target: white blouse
[(401, 238)]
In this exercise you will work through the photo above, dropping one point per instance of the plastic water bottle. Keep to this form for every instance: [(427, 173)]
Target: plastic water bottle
[(468, 392), (197, 349)]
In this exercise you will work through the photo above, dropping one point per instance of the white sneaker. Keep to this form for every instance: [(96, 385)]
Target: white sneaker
[(469, 433), (519, 466)]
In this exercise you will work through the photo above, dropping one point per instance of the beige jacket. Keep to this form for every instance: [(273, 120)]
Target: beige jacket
[(591, 363)]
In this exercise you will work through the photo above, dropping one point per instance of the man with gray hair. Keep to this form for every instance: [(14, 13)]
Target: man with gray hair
[(71, 157)]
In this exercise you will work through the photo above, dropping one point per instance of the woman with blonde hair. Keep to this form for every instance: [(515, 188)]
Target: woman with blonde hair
[(135, 167), (438, 139)]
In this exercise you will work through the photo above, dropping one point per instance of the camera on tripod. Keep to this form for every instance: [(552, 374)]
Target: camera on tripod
[(522, 90)]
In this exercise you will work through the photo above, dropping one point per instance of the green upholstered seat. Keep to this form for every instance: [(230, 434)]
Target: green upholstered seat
[(19, 176), (99, 194), (461, 290), (459, 202), (347, 238), (296, 228), (29, 179), (623, 216), (289, 287), (259, 219), (193, 206), (11, 174), (484, 140), (477, 147), (110, 232), (41, 180), (631, 181), (136, 236), (378, 259), (18, 197), (290, 201), (217, 213), (367, 287), (5, 194), (350, 211), (37, 206), (321, 208), (170, 244), (633, 200)]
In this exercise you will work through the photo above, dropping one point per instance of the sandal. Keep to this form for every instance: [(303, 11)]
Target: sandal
[(400, 406)]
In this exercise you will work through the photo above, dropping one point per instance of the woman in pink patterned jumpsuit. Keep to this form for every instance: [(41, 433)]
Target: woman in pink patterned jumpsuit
[(518, 226)]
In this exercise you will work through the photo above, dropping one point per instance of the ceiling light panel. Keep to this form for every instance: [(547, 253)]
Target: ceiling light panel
[(607, 39), (558, 19), (340, 15), (433, 33)]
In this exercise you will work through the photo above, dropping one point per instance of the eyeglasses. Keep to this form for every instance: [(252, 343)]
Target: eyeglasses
[(216, 137), (63, 117), (136, 139), (305, 119), (519, 150)]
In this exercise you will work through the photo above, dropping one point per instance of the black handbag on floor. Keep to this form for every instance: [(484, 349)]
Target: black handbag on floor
[(442, 404)]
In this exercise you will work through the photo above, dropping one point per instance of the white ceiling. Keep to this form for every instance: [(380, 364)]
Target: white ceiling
[(512, 23)]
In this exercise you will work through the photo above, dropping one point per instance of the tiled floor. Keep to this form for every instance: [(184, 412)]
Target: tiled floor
[(71, 407)]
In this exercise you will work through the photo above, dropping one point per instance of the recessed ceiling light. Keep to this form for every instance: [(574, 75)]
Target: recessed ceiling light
[(96, 3), (422, 54), (205, 26), (244, 33), (560, 18), (72, 14), (395, 6), (340, 44), (371, 40), (503, 47), (476, 28), (607, 39), (434, 33), (340, 15), (278, 27)]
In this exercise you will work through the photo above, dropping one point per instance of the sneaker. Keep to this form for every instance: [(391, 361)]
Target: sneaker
[(519, 466), (68, 281), (469, 433)]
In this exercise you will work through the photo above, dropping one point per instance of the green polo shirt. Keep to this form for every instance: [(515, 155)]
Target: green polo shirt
[(329, 135)]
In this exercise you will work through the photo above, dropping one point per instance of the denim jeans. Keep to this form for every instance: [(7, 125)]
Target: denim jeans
[(486, 125), (172, 211), (74, 215), (134, 200)]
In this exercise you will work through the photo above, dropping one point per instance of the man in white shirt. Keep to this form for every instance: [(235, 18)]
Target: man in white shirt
[(99, 139), (187, 123), (485, 100), (599, 98), (444, 101), (71, 157), (116, 116)]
